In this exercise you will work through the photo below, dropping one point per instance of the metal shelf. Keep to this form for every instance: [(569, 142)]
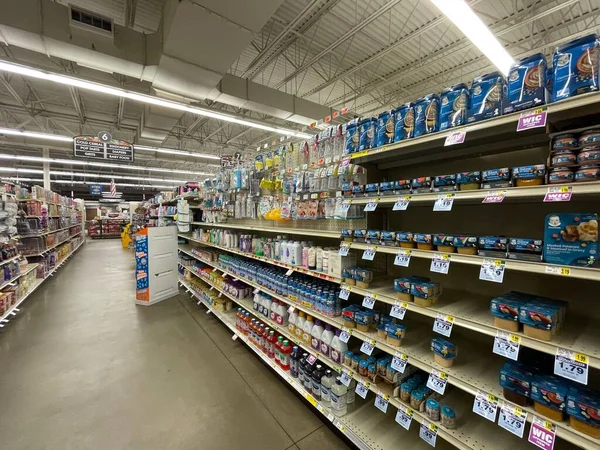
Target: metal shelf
[(53, 247), (540, 268), (29, 268), (476, 370), (9, 260), (45, 233), (281, 230)]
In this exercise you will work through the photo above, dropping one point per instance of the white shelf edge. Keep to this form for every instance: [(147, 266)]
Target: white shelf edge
[(45, 233), (53, 247), (281, 230)]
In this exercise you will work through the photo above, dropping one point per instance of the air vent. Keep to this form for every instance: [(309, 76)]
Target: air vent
[(91, 21)]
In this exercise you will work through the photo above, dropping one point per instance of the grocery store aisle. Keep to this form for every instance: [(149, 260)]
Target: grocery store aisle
[(84, 368)]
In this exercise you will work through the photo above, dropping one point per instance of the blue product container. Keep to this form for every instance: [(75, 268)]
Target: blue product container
[(385, 129), (486, 97), (575, 68), (352, 137), (454, 103), (427, 115), (526, 84), (404, 122), (367, 133)]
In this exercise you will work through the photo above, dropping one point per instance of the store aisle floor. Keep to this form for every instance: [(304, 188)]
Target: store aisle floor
[(84, 368)]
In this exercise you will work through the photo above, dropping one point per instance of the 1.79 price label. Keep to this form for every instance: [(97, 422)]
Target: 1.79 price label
[(571, 365)]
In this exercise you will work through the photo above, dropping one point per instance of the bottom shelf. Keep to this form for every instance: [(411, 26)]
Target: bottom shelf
[(364, 426)]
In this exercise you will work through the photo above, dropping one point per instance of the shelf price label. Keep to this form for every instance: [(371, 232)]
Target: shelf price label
[(344, 207), (399, 310), (558, 194), (346, 377), (562, 271), (444, 202), (382, 401), (507, 345), (369, 253), (542, 433), (494, 197), (443, 324), (428, 432), (311, 359), (440, 263), (367, 347), (402, 258), (532, 119), (404, 417), (571, 365), (401, 204), (291, 310), (455, 137), (344, 249), (371, 205), (492, 270), (399, 362), (362, 389), (345, 292), (289, 272), (345, 335), (437, 381), (512, 419), (369, 301), (486, 405)]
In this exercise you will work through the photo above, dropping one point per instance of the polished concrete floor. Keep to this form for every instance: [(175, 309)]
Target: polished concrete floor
[(82, 367)]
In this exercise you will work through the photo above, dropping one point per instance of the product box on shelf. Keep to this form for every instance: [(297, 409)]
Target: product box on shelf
[(486, 97), (337, 263), (496, 178), (516, 380), (404, 122), (454, 106), (583, 408), (385, 128), (525, 249), (526, 85), (571, 239), (549, 394), (575, 68), (427, 115)]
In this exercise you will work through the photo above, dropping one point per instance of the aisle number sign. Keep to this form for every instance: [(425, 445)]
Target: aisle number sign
[(512, 419), (542, 433), (571, 365)]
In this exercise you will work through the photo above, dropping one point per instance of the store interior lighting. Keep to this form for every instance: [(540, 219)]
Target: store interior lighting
[(76, 182), (143, 98), (91, 175), (476, 31)]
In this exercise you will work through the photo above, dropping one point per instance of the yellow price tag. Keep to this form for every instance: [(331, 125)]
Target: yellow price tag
[(372, 341), (581, 358), (405, 305), (432, 427), (547, 425), (498, 262), (443, 375), (383, 149), (450, 319), (386, 397), (359, 154), (565, 271), (311, 400), (514, 338), (518, 411), (373, 296), (367, 384), (342, 428), (492, 398)]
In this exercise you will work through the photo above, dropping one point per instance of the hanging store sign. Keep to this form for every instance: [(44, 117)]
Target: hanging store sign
[(103, 147), (95, 189), (228, 161)]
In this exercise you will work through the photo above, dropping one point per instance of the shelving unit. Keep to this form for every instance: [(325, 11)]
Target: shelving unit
[(279, 228)]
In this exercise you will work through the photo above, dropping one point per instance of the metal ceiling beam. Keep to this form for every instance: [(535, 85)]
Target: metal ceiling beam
[(237, 136), (16, 96), (120, 111), (386, 7), (462, 45), (129, 13), (77, 103)]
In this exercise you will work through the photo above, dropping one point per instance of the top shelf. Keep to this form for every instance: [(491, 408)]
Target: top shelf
[(488, 136), (277, 228)]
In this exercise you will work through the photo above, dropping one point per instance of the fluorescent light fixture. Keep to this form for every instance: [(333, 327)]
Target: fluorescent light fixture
[(143, 98), (90, 175), (170, 151), (39, 180), (478, 33), (51, 137)]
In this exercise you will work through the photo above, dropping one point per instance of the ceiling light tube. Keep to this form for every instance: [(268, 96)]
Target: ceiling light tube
[(52, 137), (90, 175), (142, 98), (476, 31), (73, 182)]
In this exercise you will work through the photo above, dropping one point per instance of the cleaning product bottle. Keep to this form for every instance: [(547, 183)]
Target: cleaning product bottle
[(338, 395), (292, 319), (273, 310), (297, 254), (305, 251), (294, 361), (326, 383), (308, 371), (316, 333), (284, 357), (300, 324), (316, 381), (338, 348), (302, 368), (326, 339), (307, 329), (267, 301)]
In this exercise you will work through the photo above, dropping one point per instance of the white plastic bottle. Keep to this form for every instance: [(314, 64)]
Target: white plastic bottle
[(326, 339), (316, 333), (267, 302), (286, 252), (273, 310), (305, 251), (319, 259), (295, 254), (282, 315), (312, 258), (307, 330), (292, 322), (351, 396), (300, 324), (338, 396), (325, 261), (326, 383), (338, 348)]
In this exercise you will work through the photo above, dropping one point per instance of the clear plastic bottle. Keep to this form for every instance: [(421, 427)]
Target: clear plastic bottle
[(338, 395), (319, 259), (284, 355), (326, 383), (307, 329)]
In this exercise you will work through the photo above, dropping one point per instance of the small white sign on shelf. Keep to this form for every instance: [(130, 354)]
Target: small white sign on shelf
[(437, 381), (345, 335), (402, 258), (344, 249), (486, 405), (512, 419), (369, 253), (381, 402), (440, 263), (399, 362), (371, 205), (362, 389), (368, 301), (492, 270), (507, 345), (344, 293), (399, 310), (401, 204), (367, 347), (542, 433), (311, 359), (346, 378), (443, 324), (404, 417), (428, 432), (444, 202), (571, 365)]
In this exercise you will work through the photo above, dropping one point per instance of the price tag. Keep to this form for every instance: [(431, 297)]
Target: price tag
[(542, 433), (345, 206), (512, 418), (234, 337), (485, 405), (344, 249), (369, 301), (369, 253), (571, 365), (399, 310), (532, 119), (444, 202), (362, 389), (399, 362), (494, 197), (440, 263), (344, 293), (367, 347), (371, 205), (455, 137), (401, 204), (311, 359), (402, 258), (562, 271), (291, 310), (255, 291), (428, 432), (346, 378), (404, 417), (492, 270), (345, 335), (289, 272), (437, 381), (507, 345), (558, 194), (443, 324), (381, 402)]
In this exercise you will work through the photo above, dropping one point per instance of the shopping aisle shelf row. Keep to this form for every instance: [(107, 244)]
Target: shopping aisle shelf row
[(29, 255), (29, 268), (472, 373), (46, 202), (45, 233), (299, 269), (6, 261), (541, 268), (281, 229)]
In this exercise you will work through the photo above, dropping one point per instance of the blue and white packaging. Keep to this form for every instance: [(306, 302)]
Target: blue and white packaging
[(367, 134), (571, 239), (404, 122), (575, 68), (352, 137), (486, 97), (526, 84), (385, 129), (454, 103), (427, 115)]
